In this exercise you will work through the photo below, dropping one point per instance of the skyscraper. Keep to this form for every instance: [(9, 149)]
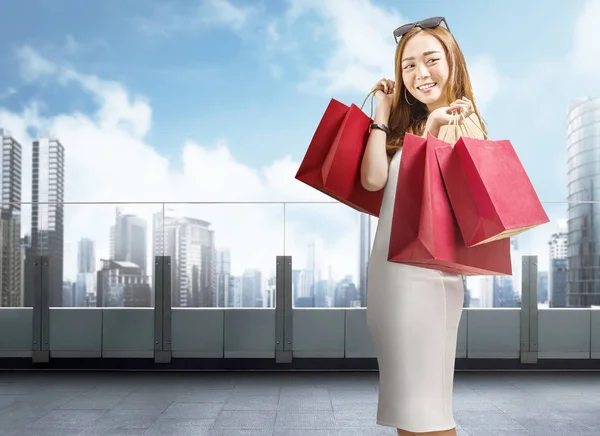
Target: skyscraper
[(315, 271), (365, 253), (47, 212), (86, 272), (10, 222), (86, 256), (223, 295), (583, 184), (190, 244), (128, 240), (557, 274)]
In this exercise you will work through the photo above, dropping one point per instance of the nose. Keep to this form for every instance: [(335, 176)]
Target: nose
[(422, 71)]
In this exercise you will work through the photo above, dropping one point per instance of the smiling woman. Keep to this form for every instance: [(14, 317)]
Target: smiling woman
[(413, 77), (431, 73), (413, 313)]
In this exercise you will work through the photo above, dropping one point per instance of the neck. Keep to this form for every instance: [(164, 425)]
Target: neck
[(436, 105)]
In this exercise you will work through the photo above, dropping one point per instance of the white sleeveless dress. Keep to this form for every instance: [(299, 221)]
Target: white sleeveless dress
[(412, 316)]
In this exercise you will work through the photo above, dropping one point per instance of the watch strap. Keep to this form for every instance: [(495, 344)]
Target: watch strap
[(383, 127)]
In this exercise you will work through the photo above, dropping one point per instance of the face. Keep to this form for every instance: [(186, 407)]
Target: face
[(425, 70)]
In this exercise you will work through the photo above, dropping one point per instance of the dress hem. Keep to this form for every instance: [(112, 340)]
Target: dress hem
[(412, 430)]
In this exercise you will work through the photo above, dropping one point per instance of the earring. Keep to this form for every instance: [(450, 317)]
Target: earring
[(406, 98)]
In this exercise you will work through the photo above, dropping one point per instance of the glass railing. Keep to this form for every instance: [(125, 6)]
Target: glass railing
[(568, 255), (223, 255)]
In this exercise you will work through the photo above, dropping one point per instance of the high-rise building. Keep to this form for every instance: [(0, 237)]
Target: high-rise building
[(557, 274), (86, 276), (128, 240), (10, 222), (365, 253), (583, 184), (507, 289), (190, 244), (86, 256), (543, 287), (223, 293), (235, 291), (122, 284), (252, 288), (47, 213), (315, 270)]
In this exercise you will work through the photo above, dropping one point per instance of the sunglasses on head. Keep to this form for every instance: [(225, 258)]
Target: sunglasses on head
[(428, 23)]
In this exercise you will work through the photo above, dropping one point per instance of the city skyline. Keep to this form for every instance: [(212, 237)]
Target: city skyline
[(149, 240), (126, 139)]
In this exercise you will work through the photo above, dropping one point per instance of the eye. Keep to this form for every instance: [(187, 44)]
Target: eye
[(433, 60), (408, 66)]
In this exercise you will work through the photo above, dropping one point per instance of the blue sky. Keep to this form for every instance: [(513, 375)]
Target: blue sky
[(244, 84), (201, 77)]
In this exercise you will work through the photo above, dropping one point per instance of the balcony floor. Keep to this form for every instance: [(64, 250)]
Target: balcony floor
[(278, 404)]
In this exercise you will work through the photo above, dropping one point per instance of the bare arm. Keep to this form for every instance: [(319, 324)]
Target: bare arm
[(432, 126), (374, 167)]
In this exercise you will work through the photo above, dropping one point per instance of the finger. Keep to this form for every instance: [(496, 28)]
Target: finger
[(469, 103), (463, 107)]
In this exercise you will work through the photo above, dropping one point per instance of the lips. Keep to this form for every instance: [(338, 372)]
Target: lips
[(426, 86)]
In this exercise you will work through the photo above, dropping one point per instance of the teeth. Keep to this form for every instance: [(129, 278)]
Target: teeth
[(431, 85)]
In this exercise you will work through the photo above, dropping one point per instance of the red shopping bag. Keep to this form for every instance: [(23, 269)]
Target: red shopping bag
[(333, 159), (424, 230), (489, 190)]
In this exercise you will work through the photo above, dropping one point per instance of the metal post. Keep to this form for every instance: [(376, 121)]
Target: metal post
[(288, 301), (37, 284), (33, 295), (283, 353), (166, 289), (529, 310), (162, 354)]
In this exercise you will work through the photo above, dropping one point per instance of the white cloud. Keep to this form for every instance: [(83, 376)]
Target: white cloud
[(484, 79), (168, 18), (33, 65), (225, 12), (7, 93), (108, 160), (73, 46), (584, 54), (557, 72), (364, 47)]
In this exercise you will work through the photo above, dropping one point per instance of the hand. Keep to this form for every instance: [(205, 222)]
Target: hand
[(384, 93), (445, 115)]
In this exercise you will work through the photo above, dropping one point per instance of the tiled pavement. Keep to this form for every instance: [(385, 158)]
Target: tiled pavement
[(282, 404)]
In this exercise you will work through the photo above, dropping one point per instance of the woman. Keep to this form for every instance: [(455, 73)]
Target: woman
[(413, 313)]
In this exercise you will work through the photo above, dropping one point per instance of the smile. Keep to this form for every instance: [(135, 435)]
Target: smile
[(426, 86)]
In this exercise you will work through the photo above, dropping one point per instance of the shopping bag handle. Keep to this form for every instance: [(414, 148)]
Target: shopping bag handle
[(454, 122), (469, 131), (372, 94)]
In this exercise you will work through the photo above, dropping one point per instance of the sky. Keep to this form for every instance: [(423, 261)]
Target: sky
[(217, 100)]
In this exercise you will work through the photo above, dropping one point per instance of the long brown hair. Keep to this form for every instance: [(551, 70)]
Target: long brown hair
[(412, 117)]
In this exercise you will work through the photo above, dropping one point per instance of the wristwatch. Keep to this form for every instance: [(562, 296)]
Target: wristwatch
[(383, 127)]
